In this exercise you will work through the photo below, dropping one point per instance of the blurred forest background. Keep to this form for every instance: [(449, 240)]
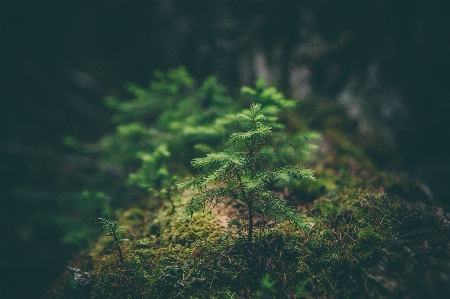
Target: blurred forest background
[(387, 63)]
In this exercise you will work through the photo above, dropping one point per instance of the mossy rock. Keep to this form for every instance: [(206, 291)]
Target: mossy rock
[(369, 235), (354, 232)]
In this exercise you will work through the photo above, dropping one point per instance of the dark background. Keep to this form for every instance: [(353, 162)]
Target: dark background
[(388, 61)]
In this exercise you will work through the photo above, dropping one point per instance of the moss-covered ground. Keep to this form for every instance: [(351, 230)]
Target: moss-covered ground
[(370, 235)]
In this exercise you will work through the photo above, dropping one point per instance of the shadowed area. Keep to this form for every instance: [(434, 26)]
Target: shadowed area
[(382, 65)]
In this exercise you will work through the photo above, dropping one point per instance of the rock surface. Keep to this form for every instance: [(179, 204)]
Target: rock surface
[(81, 278)]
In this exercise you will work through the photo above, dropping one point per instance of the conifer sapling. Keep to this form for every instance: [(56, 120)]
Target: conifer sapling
[(113, 230), (238, 174)]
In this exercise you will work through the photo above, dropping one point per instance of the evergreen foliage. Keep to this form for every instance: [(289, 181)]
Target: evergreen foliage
[(354, 226), (240, 175), (172, 121), (114, 231), (267, 288), (159, 130)]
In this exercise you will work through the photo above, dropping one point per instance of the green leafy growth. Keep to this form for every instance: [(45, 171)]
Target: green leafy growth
[(162, 127), (114, 231), (267, 290), (291, 148), (238, 174), (154, 176), (165, 125)]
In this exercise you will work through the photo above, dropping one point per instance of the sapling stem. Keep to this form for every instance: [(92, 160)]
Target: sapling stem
[(112, 229), (242, 174)]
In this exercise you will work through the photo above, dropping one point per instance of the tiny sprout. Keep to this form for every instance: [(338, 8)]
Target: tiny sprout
[(113, 230)]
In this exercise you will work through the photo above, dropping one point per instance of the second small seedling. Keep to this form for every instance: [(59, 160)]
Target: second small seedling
[(113, 230)]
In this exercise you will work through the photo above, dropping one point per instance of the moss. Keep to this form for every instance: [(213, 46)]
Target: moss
[(308, 191), (354, 212), (303, 278), (134, 214), (324, 207), (121, 280), (185, 231), (177, 228), (266, 288), (198, 271), (195, 259), (368, 245)]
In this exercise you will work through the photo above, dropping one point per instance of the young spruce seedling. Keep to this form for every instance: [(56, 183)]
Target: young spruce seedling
[(113, 230), (239, 175)]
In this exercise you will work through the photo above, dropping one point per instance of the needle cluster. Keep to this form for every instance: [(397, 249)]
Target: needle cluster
[(114, 231), (238, 174)]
